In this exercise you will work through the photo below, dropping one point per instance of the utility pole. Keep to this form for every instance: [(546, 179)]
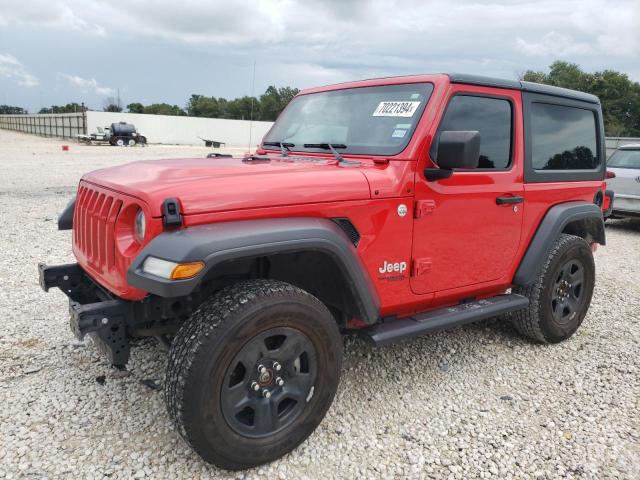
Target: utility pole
[(253, 86)]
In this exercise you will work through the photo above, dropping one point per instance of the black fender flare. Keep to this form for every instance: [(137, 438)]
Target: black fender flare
[(65, 220), (220, 242), (555, 221)]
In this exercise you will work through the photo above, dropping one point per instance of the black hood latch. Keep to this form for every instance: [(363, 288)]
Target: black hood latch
[(171, 216)]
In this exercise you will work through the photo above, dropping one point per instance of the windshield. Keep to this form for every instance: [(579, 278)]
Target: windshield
[(368, 120), (625, 159)]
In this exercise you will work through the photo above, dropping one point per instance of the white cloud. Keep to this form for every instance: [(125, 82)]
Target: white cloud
[(555, 44), (209, 46), (61, 15), (374, 37), (88, 84), (11, 68)]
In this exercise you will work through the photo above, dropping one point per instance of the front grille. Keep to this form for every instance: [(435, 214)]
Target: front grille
[(94, 227)]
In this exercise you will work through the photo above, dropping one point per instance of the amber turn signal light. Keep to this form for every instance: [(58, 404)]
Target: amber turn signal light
[(183, 271)]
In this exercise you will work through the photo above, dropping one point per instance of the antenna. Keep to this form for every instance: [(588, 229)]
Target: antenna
[(253, 86)]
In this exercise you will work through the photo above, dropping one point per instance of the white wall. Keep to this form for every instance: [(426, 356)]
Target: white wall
[(614, 142), (184, 130)]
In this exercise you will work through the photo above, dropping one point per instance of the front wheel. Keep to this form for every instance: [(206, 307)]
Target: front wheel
[(561, 294), (253, 372)]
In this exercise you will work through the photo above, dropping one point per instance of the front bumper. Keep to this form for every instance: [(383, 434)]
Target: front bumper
[(92, 310)]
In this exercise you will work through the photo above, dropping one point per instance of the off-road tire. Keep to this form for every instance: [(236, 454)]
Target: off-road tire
[(204, 348), (537, 321)]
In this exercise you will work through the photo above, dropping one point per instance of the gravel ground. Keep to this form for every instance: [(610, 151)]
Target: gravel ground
[(475, 402)]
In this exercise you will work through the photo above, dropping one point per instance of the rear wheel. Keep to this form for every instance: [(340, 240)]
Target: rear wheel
[(561, 294), (120, 142), (253, 372), (131, 142)]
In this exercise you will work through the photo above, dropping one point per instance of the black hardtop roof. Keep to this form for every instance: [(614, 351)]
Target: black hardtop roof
[(524, 86)]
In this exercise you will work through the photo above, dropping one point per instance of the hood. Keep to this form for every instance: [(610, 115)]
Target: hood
[(205, 185)]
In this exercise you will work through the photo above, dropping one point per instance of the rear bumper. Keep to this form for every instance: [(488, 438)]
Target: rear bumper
[(610, 196), (626, 205), (616, 213), (91, 309)]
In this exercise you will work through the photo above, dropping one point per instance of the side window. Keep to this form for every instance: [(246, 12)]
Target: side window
[(563, 138), (492, 117)]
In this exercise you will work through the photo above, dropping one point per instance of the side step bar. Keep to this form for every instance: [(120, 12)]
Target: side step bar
[(394, 330)]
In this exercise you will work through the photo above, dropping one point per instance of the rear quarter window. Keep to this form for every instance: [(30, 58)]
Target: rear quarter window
[(563, 139)]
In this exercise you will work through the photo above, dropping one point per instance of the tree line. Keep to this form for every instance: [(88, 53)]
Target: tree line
[(266, 107), (620, 97)]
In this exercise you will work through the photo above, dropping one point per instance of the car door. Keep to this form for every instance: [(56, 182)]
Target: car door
[(625, 163), (467, 227)]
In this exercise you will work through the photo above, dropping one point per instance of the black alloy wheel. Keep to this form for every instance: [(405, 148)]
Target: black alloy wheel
[(268, 382), (566, 299)]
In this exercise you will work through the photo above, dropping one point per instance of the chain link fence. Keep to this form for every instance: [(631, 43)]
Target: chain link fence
[(64, 125)]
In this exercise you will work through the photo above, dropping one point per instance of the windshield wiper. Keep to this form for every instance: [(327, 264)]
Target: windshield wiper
[(284, 147), (328, 146)]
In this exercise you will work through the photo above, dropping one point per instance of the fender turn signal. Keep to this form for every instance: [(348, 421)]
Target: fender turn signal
[(171, 270), (183, 271)]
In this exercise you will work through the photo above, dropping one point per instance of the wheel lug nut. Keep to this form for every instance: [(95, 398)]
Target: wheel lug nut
[(279, 381), (255, 387), (266, 393), (277, 367), (261, 369)]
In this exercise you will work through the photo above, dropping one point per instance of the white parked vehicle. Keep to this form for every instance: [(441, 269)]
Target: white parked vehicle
[(625, 164)]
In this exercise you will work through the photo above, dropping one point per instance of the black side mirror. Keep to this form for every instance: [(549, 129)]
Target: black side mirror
[(456, 149)]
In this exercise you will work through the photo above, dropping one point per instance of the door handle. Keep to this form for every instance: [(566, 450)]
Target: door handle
[(509, 200)]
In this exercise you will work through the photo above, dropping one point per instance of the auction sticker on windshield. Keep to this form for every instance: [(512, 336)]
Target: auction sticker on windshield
[(396, 109)]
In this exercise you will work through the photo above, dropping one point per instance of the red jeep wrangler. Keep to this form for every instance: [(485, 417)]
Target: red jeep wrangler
[(394, 207)]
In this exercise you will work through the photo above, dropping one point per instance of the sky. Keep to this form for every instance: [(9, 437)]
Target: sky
[(56, 52)]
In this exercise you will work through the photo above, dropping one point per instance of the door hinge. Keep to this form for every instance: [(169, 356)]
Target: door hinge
[(420, 266), (424, 207)]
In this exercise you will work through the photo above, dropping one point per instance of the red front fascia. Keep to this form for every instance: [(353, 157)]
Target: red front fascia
[(103, 238)]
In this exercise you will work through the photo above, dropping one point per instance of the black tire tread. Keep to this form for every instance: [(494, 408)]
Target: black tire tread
[(211, 318), (527, 321)]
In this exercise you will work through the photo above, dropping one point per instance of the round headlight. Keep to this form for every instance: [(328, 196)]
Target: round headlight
[(140, 225)]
